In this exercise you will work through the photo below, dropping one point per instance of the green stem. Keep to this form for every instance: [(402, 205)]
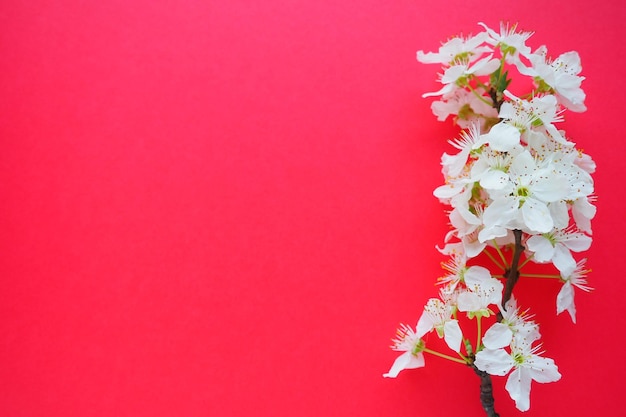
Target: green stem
[(468, 347), (483, 85), (500, 253), (480, 97), (442, 355), (525, 261), (495, 92), (479, 333), (540, 276), (494, 260), (502, 62)]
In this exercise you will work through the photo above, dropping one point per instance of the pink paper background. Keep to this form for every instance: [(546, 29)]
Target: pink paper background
[(225, 208)]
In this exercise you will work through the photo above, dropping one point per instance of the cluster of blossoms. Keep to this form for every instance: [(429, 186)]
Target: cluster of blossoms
[(516, 185)]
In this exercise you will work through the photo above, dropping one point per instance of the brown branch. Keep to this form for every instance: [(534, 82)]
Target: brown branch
[(512, 274), (486, 392)]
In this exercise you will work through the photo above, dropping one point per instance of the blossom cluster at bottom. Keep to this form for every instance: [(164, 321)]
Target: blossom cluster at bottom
[(507, 347)]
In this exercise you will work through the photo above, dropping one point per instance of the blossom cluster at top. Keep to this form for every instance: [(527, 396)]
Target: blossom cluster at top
[(513, 171)]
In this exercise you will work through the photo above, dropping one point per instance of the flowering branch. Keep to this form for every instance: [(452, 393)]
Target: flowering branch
[(517, 182)]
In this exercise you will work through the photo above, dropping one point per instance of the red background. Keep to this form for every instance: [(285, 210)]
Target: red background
[(225, 208)]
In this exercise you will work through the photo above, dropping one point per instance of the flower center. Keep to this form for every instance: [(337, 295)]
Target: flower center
[(522, 191), (518, 358), (419, 347)]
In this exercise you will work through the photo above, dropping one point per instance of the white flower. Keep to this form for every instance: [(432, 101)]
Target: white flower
[(482, 291), (516, 114), (459, 73), (509, 38), (453, 165), (528, 364), (583, 211), (464, 222), (456, 49), (411, 346), (557, 247), (560, 75), (491, 169), (530, 115), (467, 106), (514, 323), (585, 162), (564, 161), (467, 225), (511, 43), (523, 202), (547, 112), (437, 315), (501, 138), (565, 298), (455, 267)]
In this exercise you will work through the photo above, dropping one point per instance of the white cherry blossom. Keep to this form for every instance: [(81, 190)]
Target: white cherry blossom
[(511, 42), (527, 365), (437, 316), (411, 346), (457, 49), (583, 211), (560, 75), (523, 202), (491, 169), (501, 138), (565, 299), (527, 116), (557, 247), (467, 225), (453, 165), (584, 162), (458, 272), (514, 323), (482, 291), (469, 108), (460, 72)]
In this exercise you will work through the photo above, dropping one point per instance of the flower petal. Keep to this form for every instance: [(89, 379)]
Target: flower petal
[(424, 325), (497, 336), (453, 335), (549, 187), (563, 260), (494, 362), (541, 247), (503, 137), (468, 301), (405, 361), (543, 370), (559, 213), (500, 212), (476, 275), (537, 216), (494, 179), (565, 301), (518, 386), (577, 242)]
